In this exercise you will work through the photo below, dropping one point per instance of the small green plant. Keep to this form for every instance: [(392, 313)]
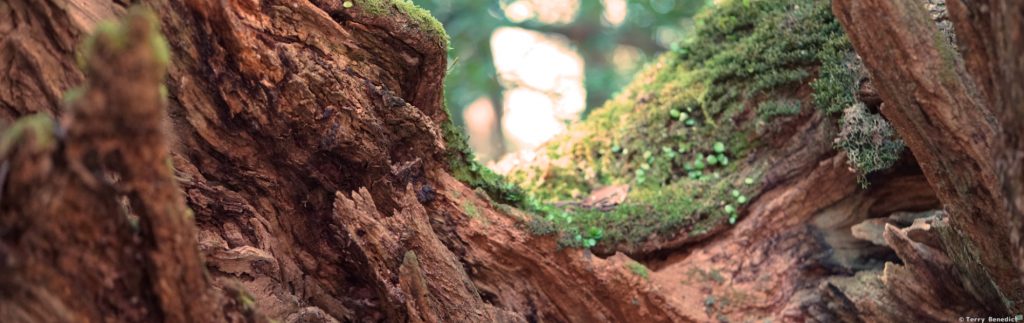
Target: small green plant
[(638, 269)]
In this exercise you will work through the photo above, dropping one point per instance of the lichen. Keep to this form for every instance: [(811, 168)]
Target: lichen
[(834, 90), (871, 144)]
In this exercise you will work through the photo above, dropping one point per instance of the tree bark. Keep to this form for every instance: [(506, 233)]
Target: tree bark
[(94, 223), (962, 124), (306, 142)]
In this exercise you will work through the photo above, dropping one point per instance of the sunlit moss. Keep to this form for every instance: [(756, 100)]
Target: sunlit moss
[(673, 135), (464, 167), (421, 17), (771, 109)]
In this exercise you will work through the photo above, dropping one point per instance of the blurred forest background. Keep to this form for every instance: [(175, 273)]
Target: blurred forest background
[(521, 70)]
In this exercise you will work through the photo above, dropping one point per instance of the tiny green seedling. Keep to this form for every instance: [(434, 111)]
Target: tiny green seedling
[(719, 147)]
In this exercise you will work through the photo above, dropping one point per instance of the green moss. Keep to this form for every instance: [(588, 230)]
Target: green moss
[(37, 126), (772, 109), (837, 81), (949, 57), (161, 50), (676, 133), (72, 95), (247, 302), (419, 16), (758, 47), (638, 269), (464, 167)]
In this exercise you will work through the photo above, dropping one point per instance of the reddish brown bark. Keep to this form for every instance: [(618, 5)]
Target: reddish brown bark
[(306, 140), (962, 124), (94, 221)]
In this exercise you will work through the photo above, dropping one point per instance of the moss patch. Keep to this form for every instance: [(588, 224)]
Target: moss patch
[(772, 109), (463, 166), (419, 16), (638, 269), (680, 131)]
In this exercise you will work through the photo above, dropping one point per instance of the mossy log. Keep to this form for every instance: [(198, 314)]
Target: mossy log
[(288, 163), (294, 161), (793, 253)]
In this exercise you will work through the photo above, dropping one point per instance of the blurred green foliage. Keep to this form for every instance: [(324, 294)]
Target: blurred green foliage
[(650, 25)]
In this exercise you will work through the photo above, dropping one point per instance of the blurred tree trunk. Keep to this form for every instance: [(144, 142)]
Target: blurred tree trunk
[(811, 245)]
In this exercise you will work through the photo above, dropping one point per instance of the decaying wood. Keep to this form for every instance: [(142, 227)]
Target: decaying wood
[(960, 124), (1006, 64), (277, 111), (433, 285), (296, 171), (94, 223)]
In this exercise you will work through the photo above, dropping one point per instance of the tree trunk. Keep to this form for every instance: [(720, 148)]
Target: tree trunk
[(290, 161)]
